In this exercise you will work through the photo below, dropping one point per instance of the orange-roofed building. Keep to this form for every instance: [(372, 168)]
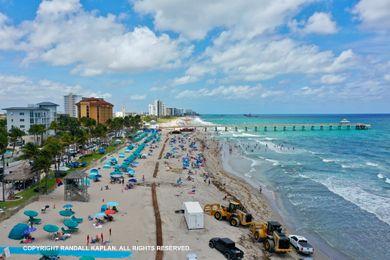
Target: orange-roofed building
[(95, 108)]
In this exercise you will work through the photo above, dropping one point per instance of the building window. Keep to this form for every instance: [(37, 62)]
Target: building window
[(22, 120), (21, 126), (31, 121), (21, 113)]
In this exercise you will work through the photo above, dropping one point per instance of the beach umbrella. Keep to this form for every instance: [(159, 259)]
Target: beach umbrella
[(110, 211), (130, 171), (17, 232), (87, 258), (70, 223), (50, 228), (112, 204), (31, 213), (133, 180), (68, 206), (116, 175), (99, 215), (29, 230), (66, 213)]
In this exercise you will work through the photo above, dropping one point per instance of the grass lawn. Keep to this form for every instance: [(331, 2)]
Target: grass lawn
[(166, 119), (29, 192)]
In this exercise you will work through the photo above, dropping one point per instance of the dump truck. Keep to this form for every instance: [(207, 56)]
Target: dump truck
[(234, 213)]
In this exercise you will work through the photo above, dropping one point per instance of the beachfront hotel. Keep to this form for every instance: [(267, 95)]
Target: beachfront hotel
[(159, 109), (95, 108), (70, 102), (37, 114)]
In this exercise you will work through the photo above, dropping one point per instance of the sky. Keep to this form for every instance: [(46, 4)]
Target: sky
[(220, 56)]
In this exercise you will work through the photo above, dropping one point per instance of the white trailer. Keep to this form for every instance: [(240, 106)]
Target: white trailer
[(193, 214)]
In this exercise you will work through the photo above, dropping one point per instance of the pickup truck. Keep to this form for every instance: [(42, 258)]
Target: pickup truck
[(227, 247), (301, 245)]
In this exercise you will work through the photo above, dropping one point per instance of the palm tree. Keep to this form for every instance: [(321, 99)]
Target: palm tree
[(3, 149), (54, 126), (30, 150), (15, 134), (37, 130), (42, 162), (54, 146)]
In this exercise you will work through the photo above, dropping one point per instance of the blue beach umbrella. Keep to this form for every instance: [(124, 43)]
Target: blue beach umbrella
[(130, 171), (68, 206), (112, 204), (66, 213), (31, 213), (29, 230), (50, 228), (99, 215), (17, 232), (70, 223), (133, 180)]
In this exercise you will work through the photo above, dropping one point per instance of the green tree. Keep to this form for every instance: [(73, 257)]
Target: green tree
[(54, 126), (55, 147), (30, 150), (3, 149), (37, 130), (42, 162), (14, 135)]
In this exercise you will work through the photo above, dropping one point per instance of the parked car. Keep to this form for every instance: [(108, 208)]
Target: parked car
[(301, 245), (227, 247)]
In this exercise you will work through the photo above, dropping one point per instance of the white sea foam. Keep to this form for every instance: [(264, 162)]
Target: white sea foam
[(198, 120), (378, 205), (387, 180), (274, 162), (372, 164), (380, 176)]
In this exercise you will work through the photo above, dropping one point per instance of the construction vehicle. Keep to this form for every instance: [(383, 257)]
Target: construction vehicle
[(235, 213), (272, 236)]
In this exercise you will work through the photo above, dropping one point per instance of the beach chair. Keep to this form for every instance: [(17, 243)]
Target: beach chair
[(35, 221)]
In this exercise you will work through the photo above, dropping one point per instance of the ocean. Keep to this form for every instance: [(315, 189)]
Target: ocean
[(334, 185)]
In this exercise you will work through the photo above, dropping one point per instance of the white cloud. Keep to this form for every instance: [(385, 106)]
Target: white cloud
[(386, 77), (319, 23), (195, 19), (332, 79), (62, 33), (255, 60), (374, 14), (229, 92), (22, 91), (137, 97)]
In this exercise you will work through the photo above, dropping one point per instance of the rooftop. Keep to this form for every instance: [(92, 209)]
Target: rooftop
[(76, 175), (25, 108), (47, 104), (95, 101)]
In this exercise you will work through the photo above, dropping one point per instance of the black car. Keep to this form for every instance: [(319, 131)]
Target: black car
[(227, 247)]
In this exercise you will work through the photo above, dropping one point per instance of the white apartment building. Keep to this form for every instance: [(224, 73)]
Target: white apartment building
[(24, 117), (70, 101), (157, 108)]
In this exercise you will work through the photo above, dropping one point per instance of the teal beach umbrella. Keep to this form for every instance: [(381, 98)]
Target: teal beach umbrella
[(17, 232), (87, 258), (31, 213), (70, 223), (66, 213), (50, 228)]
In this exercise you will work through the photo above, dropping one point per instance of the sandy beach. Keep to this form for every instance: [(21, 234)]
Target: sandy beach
[(134, 224)]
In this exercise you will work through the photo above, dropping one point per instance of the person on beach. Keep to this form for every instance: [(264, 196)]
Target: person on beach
[(260, 189), (101, 236), (87, 240)]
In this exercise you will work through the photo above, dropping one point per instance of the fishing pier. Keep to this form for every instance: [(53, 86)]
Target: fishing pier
[(274, 127)]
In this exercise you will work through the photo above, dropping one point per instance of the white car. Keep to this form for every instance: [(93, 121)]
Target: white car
[(301, 245)]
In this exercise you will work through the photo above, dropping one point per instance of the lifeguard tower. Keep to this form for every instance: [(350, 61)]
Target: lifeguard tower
[(76, 187)]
